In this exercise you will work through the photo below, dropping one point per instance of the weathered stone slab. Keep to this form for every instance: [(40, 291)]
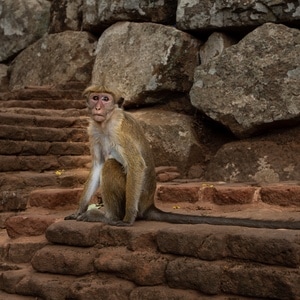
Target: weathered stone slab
[(173, 193), (27, 225), (21, 24), (255, 161), (274, 247), (108, 286), (41, 163), (143, 268), (46, 286), (73, 233), (52, 198), (253, 85), (209, 15), (195, 274), (261, 282), (45, 62), (284, 195), (172, 138), (100, 15), (146, 63), (64, 260), (23, 249), (11, 198), (205, 192), (83, 234)]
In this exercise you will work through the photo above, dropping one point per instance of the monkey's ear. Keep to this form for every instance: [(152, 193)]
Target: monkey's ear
[(120, 101)]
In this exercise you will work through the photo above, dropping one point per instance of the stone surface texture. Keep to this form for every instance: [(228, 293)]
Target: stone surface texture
[(99, 15), (21, 24), (146, 63), (234, 15), (254, 84), (71, 55)]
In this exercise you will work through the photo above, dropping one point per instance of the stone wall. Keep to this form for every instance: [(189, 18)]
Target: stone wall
[(216, 84)]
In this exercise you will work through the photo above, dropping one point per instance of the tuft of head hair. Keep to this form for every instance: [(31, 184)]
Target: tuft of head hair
[(101, 89)]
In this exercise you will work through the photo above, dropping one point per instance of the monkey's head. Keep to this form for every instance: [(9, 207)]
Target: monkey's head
[(100, 102)]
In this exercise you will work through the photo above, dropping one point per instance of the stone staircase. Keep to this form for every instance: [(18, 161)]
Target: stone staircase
[(43, 143), (43, 165)]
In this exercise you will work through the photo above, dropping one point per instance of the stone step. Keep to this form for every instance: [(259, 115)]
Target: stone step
[(59, 178), (44, 92), (27, 148), (30, 133), (207, 242), (42, 163), (35, 221), (205, 258), (266, 208), (56, 187), (52, 121), (197, 260), (58, 287), (60, 104), (19, 250), (70, 112), (283, 194), (49, 287)]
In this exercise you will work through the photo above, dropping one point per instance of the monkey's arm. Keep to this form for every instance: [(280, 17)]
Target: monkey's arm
[(91, 184)]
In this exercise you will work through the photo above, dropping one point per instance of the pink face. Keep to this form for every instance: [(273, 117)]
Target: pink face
[(100, 105)]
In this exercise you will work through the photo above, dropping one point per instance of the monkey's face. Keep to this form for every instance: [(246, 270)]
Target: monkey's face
[(100, 105)]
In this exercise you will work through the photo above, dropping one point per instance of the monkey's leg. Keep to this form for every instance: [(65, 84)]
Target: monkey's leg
[(113, 183), (113, 188)]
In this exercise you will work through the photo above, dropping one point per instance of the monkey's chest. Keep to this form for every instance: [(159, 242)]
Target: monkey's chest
[(110, 149)]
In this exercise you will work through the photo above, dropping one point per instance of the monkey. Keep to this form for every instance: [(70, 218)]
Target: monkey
[(123, 166)]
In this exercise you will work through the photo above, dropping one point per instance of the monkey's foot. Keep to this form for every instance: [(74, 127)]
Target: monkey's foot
[(71, 217), (92, 215)]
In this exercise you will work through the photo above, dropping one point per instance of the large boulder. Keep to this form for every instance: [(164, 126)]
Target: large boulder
[(21, 24), (253, 85), (55, 59), (267, 159), (146, 62), (98, 15), (172, 138), (208, 15)]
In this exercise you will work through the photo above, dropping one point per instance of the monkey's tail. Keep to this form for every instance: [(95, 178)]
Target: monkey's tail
[(155, 214)]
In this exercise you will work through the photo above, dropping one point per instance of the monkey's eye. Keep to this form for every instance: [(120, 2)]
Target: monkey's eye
[(104, 98), (95, 98)]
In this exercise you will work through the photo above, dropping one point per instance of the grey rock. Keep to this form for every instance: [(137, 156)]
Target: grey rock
[(208, 15), (101, 14), (255, 84), (55, 59), (21, 24), (147, 63)]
